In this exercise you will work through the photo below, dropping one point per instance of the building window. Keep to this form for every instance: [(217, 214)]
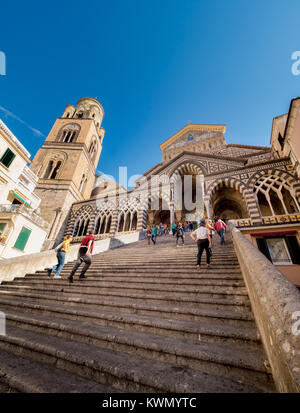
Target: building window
[(52, 170), (48, 170), (280, 140), (2, 228), (55, 170), (280, 250), (82, 184), (22, 239), (93, 148), (7, 158), (81, 227), (275, 196)]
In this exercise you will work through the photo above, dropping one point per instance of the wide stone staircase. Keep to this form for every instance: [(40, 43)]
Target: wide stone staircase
[(145, 320)]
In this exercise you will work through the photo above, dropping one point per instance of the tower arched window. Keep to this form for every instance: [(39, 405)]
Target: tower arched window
[(48, 170), (92, 148), (69, 133), (83, 183), (68, 136), (52, 169), (55, 170)]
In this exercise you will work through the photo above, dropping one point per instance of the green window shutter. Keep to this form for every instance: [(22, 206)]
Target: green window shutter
[(7, 158), (22, 239)]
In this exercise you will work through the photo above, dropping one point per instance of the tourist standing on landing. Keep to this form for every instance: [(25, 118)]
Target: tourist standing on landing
[(202, 236), (154, 234), (179, 233)]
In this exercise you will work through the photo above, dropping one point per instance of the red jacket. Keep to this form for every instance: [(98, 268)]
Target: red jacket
[(86, 240), (220, 225)]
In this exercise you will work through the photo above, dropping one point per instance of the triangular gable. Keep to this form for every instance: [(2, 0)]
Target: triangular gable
[(207, 162), (193, 133)]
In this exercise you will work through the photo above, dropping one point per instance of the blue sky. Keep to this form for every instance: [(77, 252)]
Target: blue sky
[(153, 65)]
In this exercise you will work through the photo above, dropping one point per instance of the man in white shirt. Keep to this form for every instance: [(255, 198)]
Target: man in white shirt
[(203, 238)]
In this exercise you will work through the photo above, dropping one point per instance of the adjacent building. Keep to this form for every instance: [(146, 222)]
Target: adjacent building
[(22, 230)]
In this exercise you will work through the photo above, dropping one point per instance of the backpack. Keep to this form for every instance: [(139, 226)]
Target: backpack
[(180, 231)]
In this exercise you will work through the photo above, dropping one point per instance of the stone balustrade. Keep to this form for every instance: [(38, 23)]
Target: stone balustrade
[(276, 306)]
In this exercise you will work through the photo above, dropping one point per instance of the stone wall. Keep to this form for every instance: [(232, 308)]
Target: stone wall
[(28, 264), (276, 306)]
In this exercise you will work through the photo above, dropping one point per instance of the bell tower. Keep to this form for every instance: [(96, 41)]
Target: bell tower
[(66, 163)]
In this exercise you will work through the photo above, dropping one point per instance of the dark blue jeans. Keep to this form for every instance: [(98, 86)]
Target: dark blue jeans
[(221, 232), (61, 255), (153, 237)]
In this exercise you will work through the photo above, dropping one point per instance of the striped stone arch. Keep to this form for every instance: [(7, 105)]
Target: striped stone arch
[(88, 209), (191, 167), (227, 183), (247, 194), (291, 180)]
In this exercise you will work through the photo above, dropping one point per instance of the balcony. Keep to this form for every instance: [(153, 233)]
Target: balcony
[(7, 211)]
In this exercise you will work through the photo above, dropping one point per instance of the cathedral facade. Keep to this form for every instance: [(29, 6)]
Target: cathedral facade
[(256, 187)]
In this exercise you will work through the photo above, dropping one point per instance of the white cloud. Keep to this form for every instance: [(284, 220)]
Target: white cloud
[(12, 115)]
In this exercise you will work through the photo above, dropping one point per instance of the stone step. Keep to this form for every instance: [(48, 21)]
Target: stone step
[(133, 373), (142, 305), (105, 316), (157, 295), (138, 285), (28, 376), (151, 258), (175, 267), (192, 354), (195, 273), (168, 260), (89, 288), (145, 320), (246, 337), (132, 280)]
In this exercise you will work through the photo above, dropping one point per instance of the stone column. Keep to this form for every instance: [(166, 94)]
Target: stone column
[(178, 215), (114, 222), (252, 206), (91, 226), (172, 217), (208, 209), (141, 220)]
